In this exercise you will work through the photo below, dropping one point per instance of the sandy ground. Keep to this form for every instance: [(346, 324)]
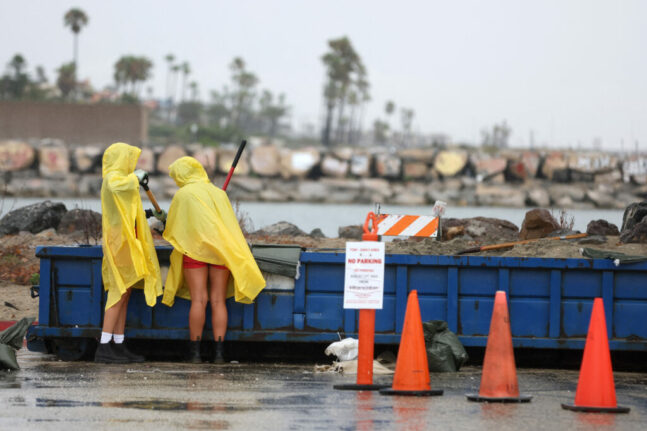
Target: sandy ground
[(16, 302), (20, 261)]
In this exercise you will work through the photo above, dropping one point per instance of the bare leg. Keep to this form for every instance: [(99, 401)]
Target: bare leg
[(196, 278), (120, 325), (111, 316), (217, 294)]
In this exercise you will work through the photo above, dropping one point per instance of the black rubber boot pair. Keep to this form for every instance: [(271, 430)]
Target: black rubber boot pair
[(219, 357), (194, 352), (112, 353)]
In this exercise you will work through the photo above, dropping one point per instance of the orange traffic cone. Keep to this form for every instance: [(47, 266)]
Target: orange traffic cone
[(499, 376), (596, 391), (411, 369)]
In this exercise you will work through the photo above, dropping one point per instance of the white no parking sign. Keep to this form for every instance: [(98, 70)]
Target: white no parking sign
[(364, 276)]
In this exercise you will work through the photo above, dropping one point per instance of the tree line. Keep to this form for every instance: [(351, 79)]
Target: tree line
[(241, 107)]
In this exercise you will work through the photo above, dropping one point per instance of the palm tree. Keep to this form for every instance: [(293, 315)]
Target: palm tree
[(186, 70), (170, 58), (76, 19)]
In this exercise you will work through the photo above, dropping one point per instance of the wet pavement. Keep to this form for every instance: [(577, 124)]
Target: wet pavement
[(47, 394)]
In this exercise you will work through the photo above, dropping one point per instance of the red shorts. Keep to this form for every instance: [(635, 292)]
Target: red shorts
[(187, 262)]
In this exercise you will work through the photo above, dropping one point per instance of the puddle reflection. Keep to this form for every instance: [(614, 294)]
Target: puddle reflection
[(161, 405), (410, 412), (364, 405)]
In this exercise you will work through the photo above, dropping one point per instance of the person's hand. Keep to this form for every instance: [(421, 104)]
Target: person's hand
[(142, 176), (161, 215)]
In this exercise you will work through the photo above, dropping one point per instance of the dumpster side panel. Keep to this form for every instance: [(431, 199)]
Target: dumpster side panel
[(550, 300)]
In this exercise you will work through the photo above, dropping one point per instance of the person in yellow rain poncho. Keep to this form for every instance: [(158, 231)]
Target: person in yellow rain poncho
[(208, 246), (129, 257)]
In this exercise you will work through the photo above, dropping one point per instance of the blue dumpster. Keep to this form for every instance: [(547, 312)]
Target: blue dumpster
[(550, 301)]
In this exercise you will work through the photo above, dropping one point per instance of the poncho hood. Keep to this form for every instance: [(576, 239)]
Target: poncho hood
[(187, 170), (120, 158)]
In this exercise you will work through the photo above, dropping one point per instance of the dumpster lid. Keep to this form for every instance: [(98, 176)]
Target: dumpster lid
[(280, 259), (595, 253)]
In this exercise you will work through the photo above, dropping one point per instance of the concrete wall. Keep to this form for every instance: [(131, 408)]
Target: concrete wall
[(74, 123)]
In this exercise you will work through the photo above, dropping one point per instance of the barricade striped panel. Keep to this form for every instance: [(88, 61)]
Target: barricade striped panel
[(408, 225)]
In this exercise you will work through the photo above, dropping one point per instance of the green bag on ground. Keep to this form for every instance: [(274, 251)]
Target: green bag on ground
[(11, 340), (445, 352)]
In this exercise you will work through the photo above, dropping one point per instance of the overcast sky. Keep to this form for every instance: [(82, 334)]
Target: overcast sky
[(570, 71)]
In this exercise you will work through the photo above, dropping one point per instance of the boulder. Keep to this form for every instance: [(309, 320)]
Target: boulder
[(637, 234), (634, 214), (612, 177), (282, 228), (602, 199), (530, 161), (522, 166), (146, 160), (15, 156), (388, 166), (634, 170), (87, 159), (298, 163), (360, 165), (375, 190), (557, 191), (90, 185), (450, 163), (488, 167), (602, 227), (341, 190), (168, 156), (414, 170), (498, 179), (226, 155), (208, 158), (423, 155), (448, 190), (500, 196), (272, 195), (265, 161), (343, 153), (538, 197), (53, 161), (351, 232), (249, 184), (481, 229), (555, 167), (409, 194), (85, 221), (538, 223), (312, 191), (334, 167), (33, 218), (317, 233), (584, 167)]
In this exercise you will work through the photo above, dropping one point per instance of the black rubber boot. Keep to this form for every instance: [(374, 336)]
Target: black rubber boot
[(194, 352), (123, 350), (107, 354), (219, 357)]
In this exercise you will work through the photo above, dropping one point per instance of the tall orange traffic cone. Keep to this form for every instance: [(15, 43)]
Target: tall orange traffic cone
[(499, 376), (411, 369), (596, 391)]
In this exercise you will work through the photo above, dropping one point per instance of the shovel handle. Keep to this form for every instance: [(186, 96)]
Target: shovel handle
[(152, 199), (234, 163)]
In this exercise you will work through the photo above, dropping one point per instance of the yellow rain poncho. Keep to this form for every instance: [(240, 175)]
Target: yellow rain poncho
[(201, 224), (129, 260)]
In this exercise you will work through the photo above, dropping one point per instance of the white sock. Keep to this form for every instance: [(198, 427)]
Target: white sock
[(106, 337), (119, 338)]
